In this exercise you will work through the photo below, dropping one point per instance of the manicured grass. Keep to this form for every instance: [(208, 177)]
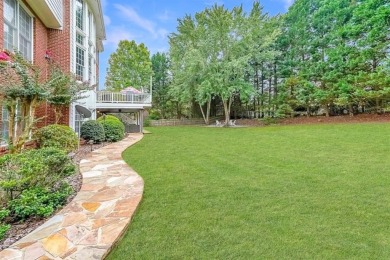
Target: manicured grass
[(311, 192)]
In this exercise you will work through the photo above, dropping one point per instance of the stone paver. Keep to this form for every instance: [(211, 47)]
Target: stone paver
[(88, 227)]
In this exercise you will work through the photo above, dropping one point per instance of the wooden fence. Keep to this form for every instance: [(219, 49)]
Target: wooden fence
[(174, 122)]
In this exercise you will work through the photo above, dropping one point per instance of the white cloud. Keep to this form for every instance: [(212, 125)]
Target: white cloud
[(116, 34), (166, 16), (287, 3), (107, 20), (131, 15)]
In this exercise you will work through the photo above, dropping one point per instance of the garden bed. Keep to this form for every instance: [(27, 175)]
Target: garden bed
[(19, 230)]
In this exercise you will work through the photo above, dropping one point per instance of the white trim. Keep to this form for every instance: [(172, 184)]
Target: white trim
[(26, 9), (89, 43), (19, 5)]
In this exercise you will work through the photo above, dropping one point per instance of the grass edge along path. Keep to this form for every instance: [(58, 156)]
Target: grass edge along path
[(318, 191)]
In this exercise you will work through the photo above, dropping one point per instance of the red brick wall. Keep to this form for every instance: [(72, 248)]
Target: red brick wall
[(46, 113), (59, 41), (40, 46), (58, 44)]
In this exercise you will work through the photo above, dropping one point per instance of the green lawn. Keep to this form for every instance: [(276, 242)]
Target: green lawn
[(291, 192)]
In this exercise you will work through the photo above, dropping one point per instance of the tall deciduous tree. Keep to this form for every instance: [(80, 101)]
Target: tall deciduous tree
[(130, 65), (212, 52), (161, 82)]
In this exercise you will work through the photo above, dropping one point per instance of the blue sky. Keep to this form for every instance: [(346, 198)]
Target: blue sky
[(151, 21)]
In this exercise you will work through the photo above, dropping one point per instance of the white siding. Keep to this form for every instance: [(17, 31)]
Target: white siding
[(56, 6)]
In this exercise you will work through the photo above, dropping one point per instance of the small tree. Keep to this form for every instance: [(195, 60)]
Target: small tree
[(63, 89), (20, 92)]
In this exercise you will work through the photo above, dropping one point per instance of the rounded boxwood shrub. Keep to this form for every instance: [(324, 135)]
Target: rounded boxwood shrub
[(114, 129), (108, 117), (92, 130), (59, 136)]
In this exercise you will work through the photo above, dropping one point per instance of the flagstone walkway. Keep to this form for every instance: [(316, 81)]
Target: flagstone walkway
[(88, 227)]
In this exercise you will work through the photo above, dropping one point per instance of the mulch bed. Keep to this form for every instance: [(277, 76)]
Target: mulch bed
[(19, 230)]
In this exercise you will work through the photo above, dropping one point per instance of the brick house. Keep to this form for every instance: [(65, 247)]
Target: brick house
[(66, 32)]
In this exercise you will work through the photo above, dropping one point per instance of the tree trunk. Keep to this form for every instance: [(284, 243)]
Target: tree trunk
[(262, 92), (256, 79), (350, 108), (275, 88), (11, 122), (178, 110), (269, 95), (206, 117), (327, 110), (377, 106), (57, 114), (226, 107)]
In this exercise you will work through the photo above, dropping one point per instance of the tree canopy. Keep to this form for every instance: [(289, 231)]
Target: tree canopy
[(322, 57), (211, 55), (129, 65)]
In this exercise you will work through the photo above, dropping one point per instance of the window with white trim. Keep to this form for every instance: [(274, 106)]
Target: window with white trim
[(80, 14), (78, 122), (18, 28), (85, 56), (80, 39)]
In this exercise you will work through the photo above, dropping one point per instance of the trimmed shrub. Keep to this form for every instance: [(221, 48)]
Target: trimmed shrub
[(44, 168), (108, 117), (59, 136), (39, 202), (113, 130), (92, 130)]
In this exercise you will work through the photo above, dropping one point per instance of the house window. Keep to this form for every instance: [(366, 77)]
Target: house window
[(80, 39), (90, 24), (79, 120), (90, 61), (80, 62), (80, 14), (85, 43), (17, 29)]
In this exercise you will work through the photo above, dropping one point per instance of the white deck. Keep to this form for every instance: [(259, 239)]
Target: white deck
[(114, 101)]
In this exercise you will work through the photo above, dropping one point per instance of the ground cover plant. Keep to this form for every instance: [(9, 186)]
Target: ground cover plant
[(318, 191), (32, 185)]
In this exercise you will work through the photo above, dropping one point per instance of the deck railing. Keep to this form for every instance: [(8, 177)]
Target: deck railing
[(118, 97)]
